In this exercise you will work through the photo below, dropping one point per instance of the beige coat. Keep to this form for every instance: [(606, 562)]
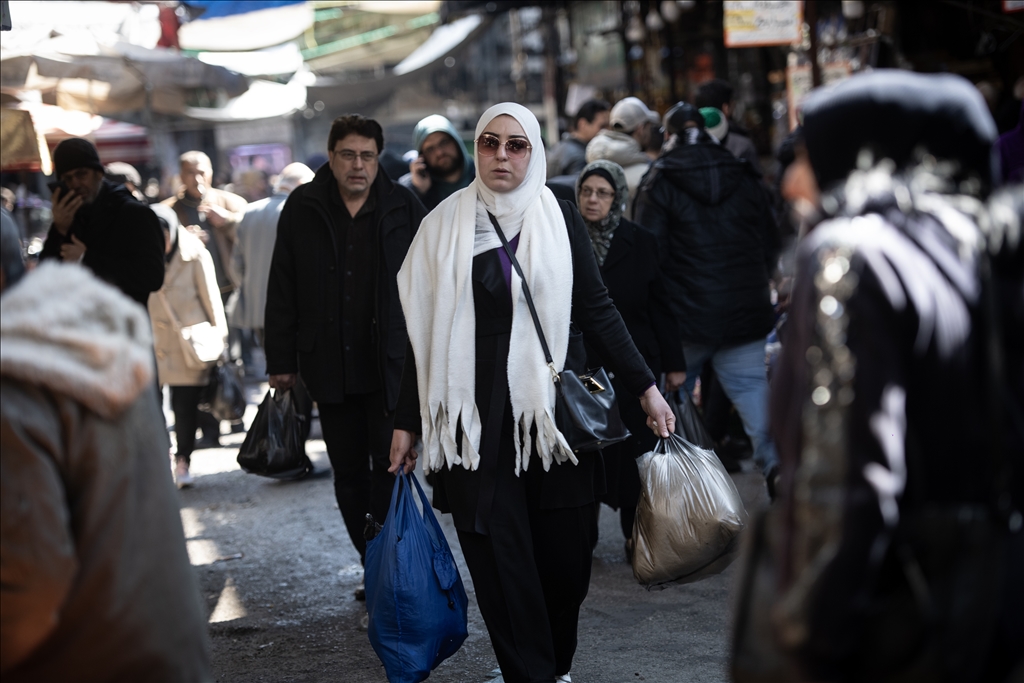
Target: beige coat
[(190, 290)]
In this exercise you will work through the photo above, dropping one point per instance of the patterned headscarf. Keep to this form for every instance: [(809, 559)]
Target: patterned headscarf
[(602, 231)]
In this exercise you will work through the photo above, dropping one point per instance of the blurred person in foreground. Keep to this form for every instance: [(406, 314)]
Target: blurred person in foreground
[(333, 313), (186, 312), (95, 581), (898, 552), (443, 165), (719, 244), (480, 392), (624, 143), (569, 155), (256, 236), (627, 256), (718, 93), (101, 225)]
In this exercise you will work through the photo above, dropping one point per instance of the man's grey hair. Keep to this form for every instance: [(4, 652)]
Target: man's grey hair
[(292, 176), (11, 259), (195, 157)]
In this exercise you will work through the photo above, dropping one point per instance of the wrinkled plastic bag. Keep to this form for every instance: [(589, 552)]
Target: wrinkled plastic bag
[(224, 395), (275, 445), (689, 516), (414, 594), (689, 423)]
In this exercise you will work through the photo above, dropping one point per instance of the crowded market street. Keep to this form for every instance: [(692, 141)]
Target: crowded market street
[(290, 616)]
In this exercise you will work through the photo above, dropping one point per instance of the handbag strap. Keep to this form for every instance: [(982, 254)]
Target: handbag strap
[(529, 298), (170, 311)]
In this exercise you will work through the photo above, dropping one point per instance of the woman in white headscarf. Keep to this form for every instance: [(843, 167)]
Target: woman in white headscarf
[(478, 390)]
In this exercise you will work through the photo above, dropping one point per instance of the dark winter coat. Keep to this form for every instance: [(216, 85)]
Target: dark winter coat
[(123, 239), (469, 494), (882, 402), (718, 241), (303, 314), (631, 274)]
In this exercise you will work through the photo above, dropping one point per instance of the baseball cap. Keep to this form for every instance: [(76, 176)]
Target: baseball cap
[(628, 114), (715, 122)]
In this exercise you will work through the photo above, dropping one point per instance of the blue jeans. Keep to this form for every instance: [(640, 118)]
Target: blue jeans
[(741, 371)]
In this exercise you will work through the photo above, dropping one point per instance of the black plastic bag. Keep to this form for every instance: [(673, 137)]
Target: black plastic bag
[(275, 445), (689, 423), (224, 397)]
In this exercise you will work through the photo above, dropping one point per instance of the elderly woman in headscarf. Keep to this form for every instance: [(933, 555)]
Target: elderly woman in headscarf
[(627, 256), (478, 390)]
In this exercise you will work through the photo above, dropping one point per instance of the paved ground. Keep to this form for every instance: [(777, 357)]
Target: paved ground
[(277, 573)]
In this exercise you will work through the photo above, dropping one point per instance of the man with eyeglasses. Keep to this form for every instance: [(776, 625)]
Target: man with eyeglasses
[(333, 314), (443, 165)]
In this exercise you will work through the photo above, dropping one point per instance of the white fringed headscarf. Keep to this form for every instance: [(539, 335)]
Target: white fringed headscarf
[(436, 289)]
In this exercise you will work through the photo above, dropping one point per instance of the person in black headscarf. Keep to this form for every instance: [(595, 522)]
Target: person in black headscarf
[(897, 497), (628, 258)]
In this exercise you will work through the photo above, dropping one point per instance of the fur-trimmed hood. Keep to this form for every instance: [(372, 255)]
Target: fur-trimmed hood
[(64, 329), (612, 145)]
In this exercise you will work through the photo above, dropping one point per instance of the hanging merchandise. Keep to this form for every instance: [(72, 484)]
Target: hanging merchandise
[(689, 516), (414, 594)]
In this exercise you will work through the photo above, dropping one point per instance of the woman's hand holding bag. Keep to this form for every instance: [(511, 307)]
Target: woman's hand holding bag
[(660, 417)]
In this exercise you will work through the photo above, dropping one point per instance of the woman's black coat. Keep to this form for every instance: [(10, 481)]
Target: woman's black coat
[(468, 495), (631, 274)]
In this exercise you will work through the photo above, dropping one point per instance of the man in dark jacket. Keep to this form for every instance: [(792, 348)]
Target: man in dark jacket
[(102, 225), (333, 314), (714, 223), (718, 94), (443, 165)]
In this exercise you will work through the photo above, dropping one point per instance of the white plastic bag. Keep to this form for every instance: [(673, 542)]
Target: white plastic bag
[(689, 516)]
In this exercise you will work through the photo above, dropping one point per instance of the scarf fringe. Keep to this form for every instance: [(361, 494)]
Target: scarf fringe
[(550, 445), (439, 437), (441, 450)]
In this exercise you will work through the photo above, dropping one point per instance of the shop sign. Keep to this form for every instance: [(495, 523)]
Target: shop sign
[(1013, 6), (761, 22)]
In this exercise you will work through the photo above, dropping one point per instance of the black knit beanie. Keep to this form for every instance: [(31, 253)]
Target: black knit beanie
[(75, 153)]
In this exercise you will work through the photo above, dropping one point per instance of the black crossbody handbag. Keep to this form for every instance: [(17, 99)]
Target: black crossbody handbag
[(586, 410)]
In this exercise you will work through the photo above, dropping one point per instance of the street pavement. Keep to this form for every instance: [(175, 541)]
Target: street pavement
[(277, 574)]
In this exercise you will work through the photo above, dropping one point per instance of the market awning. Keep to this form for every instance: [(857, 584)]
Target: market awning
[(444, 42), (47, 125), (23, 148), (263, 99), (234, 26), (109, 79)]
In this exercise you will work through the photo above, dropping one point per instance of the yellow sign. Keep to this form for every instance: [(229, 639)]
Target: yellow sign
[(754, 23)]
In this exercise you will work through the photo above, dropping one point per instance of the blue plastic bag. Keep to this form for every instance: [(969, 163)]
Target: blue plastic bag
[(414, 594)]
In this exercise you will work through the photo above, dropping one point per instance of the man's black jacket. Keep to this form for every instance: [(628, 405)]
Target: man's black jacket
[(303, 313), (718, 240), (124, 243)]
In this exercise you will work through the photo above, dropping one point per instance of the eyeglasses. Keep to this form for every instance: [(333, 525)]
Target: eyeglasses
[(349, 156), (603, 195), (488, 145)]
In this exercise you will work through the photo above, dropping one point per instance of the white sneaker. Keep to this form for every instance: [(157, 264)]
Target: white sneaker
[(182, 477), (564, 678)]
